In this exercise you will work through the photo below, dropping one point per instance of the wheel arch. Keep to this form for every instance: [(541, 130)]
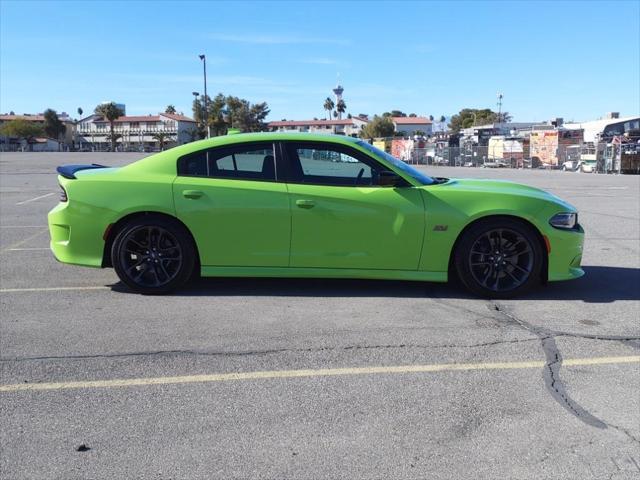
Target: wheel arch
[(544, 274), (114, 228)]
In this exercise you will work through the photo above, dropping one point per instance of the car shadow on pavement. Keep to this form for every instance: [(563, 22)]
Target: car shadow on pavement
[(598, 285)]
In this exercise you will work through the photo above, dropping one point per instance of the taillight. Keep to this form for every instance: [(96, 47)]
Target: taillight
[(63, 194)]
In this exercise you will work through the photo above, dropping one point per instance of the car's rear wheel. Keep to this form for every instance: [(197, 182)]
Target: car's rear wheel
[(153, 255), (499, 258)]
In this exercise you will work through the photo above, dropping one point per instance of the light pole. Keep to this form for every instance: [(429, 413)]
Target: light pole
[(204, 64), (195, 96)]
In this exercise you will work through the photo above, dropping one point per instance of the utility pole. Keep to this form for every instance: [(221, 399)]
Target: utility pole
[(206, 108), (195, 97)]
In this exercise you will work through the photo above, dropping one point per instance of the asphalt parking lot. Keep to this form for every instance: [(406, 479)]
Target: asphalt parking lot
[(247, 378)]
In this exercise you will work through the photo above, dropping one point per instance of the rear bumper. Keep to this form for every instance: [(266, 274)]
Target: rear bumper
[(76, 237)]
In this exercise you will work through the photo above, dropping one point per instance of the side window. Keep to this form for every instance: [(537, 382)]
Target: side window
[(329, 165), (242, 162)]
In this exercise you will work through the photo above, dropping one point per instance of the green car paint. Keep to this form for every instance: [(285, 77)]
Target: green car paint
[(262, 228)]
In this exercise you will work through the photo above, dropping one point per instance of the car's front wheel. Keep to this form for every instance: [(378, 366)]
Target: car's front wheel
[(499, 258), (153, 254)]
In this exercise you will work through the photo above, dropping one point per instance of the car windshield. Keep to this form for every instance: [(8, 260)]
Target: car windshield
[(408, 169)]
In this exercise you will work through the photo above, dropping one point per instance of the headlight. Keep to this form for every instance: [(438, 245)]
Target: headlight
[(565, 221)]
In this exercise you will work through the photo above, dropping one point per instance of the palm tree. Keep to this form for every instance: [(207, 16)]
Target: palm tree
[(341, 107), (328, 105), (111, 112), (170, 109), (162, 137), (113, 138)]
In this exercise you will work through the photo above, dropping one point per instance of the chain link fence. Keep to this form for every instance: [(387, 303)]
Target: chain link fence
[(602, 158)]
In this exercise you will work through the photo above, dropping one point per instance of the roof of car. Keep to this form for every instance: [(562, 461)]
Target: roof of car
[(301, 135), (271, 136)]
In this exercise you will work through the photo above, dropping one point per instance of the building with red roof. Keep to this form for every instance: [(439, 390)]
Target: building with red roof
[(409, 125)]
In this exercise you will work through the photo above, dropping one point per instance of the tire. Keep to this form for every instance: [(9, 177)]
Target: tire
[(153, 255), (513, 271)]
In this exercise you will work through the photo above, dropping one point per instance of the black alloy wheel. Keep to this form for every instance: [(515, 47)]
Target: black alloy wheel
[(499, 258), (153, 255)]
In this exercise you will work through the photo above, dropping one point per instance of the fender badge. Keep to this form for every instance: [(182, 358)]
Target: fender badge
[(440, 228)]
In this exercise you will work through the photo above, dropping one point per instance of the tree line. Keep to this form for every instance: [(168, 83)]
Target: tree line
[(382, 125), (224, 112)]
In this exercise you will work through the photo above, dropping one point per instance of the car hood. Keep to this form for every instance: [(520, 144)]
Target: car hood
[(502, 187)]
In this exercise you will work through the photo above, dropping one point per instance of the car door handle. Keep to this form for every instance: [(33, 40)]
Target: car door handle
[(305, 203), (192, 194)]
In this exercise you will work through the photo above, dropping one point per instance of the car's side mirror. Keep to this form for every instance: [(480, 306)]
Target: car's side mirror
[(387, 178)]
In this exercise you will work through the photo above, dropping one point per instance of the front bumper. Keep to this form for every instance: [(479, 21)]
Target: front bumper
[(566, 254)]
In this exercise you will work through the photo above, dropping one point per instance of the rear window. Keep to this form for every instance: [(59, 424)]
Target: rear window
[(243, 162)]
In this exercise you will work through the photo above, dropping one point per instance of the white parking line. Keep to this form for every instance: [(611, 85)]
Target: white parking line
[(36, 198), (25, 240), (26, 249), (51, 289)]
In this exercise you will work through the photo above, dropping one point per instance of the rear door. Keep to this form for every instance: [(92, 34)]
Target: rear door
[(341, 217), (231, 200)]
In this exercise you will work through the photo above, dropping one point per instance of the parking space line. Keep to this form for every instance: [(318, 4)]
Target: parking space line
[(23, 226), (36, 198), (51, 289), (324, 372), (26, 249), (25, 240)]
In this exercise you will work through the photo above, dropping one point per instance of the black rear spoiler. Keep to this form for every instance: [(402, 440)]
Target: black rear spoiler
[(68, 171)]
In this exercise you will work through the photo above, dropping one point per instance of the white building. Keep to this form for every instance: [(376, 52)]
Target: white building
[(409, 125), (136, 133), (349, 126), (606, 128)]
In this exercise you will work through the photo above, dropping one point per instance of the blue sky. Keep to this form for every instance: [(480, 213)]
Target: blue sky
[(575, 60)]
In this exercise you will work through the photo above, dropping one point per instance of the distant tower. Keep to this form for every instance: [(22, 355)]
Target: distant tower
[(500, 96), (338, 93)]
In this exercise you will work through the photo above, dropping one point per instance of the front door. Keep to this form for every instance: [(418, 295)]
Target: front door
[(342, 219), (237, 211)]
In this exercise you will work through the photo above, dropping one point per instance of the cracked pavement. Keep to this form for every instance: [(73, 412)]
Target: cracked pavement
[(558, 421)]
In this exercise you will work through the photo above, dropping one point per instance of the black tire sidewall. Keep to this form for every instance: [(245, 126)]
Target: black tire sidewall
[(184, 240), (469, 237)]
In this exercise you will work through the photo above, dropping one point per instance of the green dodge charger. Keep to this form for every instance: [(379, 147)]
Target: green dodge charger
[(304, 205)]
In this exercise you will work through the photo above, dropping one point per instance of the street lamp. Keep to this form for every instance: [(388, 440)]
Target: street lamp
[(204, 64), (195, 97)]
